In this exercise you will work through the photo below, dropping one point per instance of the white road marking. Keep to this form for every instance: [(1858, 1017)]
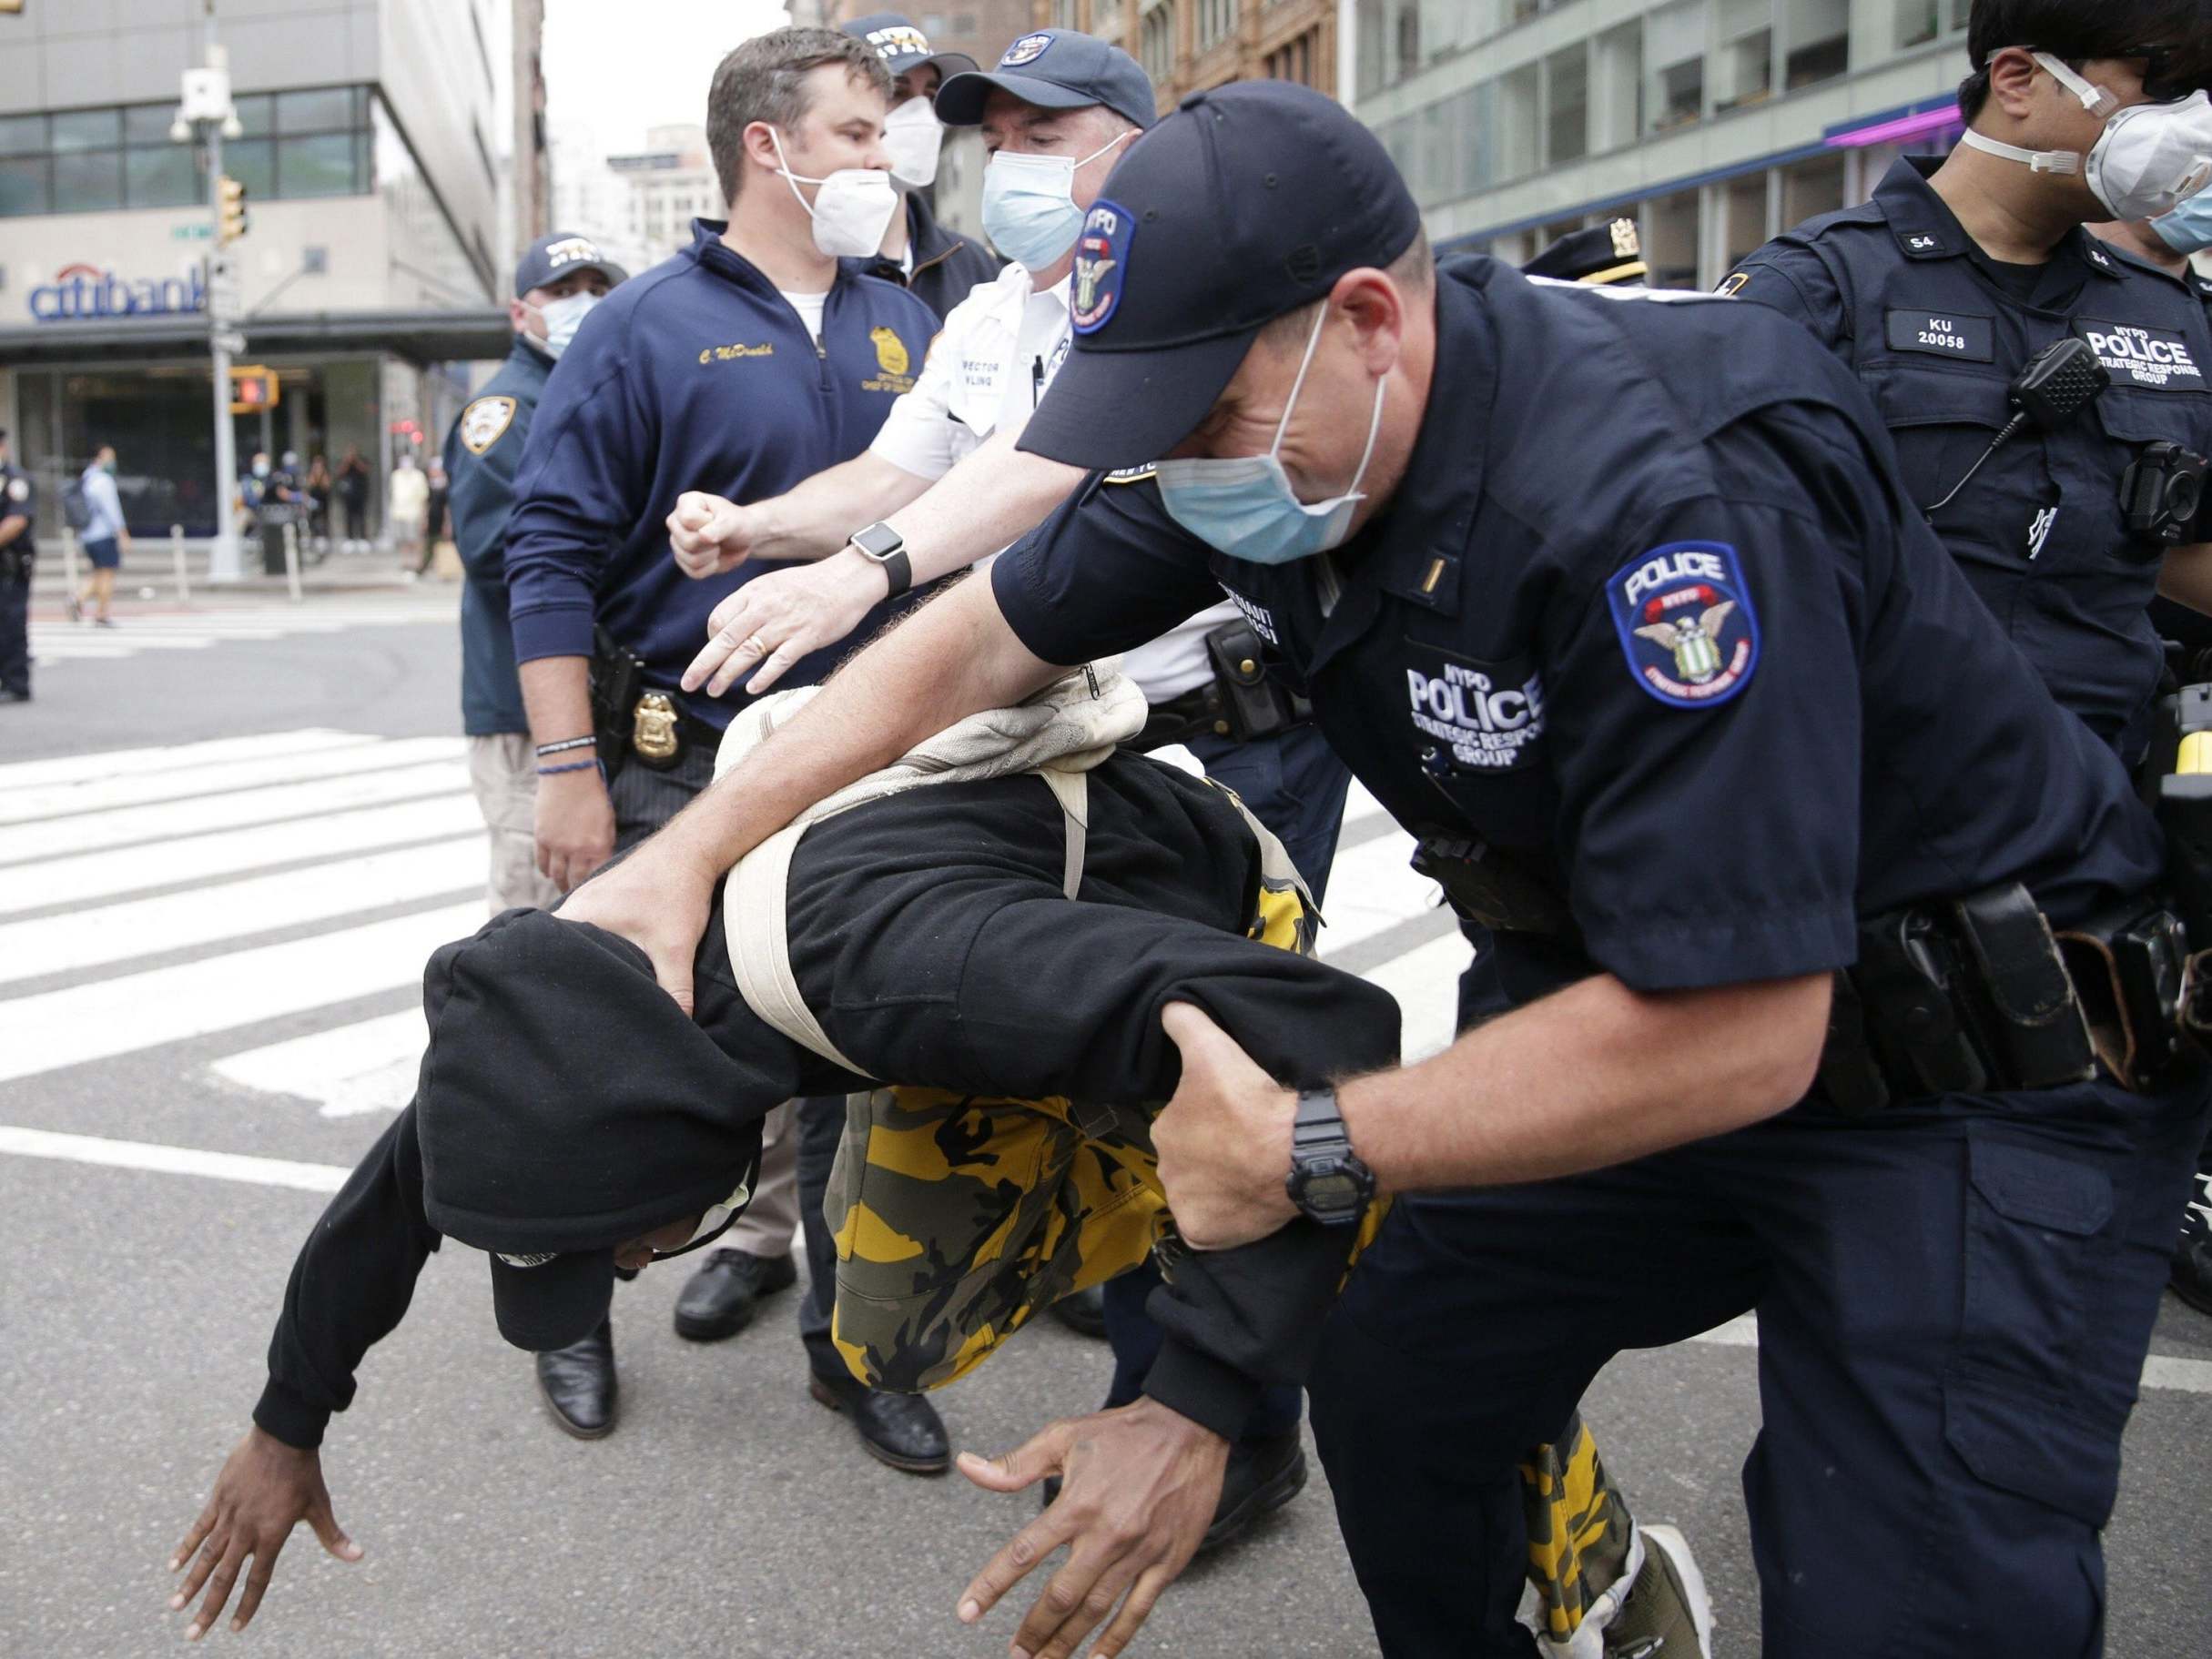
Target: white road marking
[(93, 875), (139, 1011), (369, 1066), (55, 837), (1425, 981), (75, 939), (172, 1160), (173, 757), (18, 804)]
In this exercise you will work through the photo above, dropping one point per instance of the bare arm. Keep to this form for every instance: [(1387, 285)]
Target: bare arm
[(1595, 1075), (13, 525), (2186, 577), (954, 657), (712, 534), (575, 820), (986, 501)]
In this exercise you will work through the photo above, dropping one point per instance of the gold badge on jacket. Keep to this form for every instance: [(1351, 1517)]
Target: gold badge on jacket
[(890, 350)]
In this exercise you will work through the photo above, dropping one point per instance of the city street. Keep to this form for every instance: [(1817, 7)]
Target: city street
[(230, 836)]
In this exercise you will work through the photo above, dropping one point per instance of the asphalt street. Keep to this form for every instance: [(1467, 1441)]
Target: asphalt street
[(227, 838)]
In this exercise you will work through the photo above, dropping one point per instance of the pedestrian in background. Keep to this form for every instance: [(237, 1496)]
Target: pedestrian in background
[(406, 504), (18, 513), (317, 488), (104, 536), (434, 528), (353, 483)]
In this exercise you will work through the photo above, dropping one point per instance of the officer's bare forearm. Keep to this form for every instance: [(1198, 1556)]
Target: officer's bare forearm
[(982, 504), (819, 517), (11, 527), (953, 658), (1595, 1075), (2186, 577), (557, 698)]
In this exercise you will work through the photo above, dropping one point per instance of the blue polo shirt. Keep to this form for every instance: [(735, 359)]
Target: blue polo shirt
[(698, 375), (1668, 634)]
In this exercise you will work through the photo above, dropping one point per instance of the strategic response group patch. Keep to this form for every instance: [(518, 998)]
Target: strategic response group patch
[(483, 421), (1488, 716), (1686, 623), (1101, 265), (2158, 359)]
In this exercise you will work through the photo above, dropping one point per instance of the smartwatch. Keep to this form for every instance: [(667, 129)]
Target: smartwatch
[(1327, 1181), (884, 546)]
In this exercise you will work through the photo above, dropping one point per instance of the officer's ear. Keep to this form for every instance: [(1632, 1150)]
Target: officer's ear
[(1379, 312), (759, 140), (2012, 73)]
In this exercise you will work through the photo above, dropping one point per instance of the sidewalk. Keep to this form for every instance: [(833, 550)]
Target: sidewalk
[(151, 565)]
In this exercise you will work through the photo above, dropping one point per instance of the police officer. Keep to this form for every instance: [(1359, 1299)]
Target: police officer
[(944, 487), (557, 282), (1940, 291), (18, 555), (1666, 672), (757, 357), (937, 265)]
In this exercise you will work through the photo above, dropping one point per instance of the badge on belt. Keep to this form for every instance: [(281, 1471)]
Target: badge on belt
[(652, 732)]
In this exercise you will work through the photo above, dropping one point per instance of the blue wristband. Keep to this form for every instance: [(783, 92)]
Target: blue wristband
[(546, 771)]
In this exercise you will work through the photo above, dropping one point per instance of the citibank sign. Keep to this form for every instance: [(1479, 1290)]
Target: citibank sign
[(80, 293)]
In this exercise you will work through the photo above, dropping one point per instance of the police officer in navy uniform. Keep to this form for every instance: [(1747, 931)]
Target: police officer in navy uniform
[(940, 265), (18, 556), (1940, 291), (1671, 680), (557, 282), (757, 357)]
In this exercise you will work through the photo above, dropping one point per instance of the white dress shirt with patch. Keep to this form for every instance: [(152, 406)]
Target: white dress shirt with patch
[(988, 368)]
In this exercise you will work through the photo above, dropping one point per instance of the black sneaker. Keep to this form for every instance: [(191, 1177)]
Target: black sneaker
[(1263, 1476), (719, 1299), (2192, 1274)]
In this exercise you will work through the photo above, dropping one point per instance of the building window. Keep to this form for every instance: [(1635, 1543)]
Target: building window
[(1567, 106), (1818, 32), (1293, 60), (309, 143), (1216, 22), (1674, 45), (1156, 41), (1920, 21)]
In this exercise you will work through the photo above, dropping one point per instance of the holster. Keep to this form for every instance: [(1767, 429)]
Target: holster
[(617, 676), (1253, 704), (1491, 887)]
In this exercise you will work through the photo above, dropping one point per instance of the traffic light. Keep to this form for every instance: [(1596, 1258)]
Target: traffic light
[(254, 388), (230, 201)]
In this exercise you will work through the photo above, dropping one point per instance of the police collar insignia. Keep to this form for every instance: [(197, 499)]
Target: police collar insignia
[(1686, 623), (1027, 50), (1101, 265)]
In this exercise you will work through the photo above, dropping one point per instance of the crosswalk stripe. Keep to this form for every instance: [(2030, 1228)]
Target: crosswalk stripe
[(367, 1067), (94, 875), (1426, 984), (20, 805), (169, 1005), (55, 837), (96, 937), (174, 757)]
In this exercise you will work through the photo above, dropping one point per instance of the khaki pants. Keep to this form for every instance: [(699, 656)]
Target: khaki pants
[(503, 772)]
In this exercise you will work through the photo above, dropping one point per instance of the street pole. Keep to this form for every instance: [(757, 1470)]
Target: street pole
[(223, 556)]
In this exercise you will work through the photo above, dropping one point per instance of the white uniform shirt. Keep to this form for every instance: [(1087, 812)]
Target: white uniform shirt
[(988, 368)]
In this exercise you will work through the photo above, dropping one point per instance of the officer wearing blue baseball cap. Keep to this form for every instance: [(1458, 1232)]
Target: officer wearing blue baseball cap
[(1668, 678)]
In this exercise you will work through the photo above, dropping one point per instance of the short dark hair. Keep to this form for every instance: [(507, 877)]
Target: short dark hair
[(2178, 31), (766, 80)]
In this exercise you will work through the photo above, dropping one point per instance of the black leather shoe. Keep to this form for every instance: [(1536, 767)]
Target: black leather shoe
[(2192, 1275), (1083, 1312), (1263, 1475), (902, 1430), (577, 1384), (10, 695), (719, 1300)]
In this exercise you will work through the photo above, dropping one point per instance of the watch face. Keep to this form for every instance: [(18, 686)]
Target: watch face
[(878, 541), (1331, 1190)]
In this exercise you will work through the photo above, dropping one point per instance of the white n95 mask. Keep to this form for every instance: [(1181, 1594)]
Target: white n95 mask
[(851, 209), (2149, 160), (914, 137)]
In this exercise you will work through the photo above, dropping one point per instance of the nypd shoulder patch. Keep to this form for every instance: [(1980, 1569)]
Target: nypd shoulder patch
[(1027, 50), (19, 488), (1101, 265), (1686, 623), (485, 421)]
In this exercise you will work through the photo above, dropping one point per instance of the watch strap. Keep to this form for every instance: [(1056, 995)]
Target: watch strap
[(899, 570)]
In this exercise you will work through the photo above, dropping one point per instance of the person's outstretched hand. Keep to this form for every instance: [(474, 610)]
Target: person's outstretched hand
[(265, 1488)]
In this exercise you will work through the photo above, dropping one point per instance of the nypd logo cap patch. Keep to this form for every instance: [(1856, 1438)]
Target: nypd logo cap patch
[(1101, 265), (1027, 50), (1686, 623)]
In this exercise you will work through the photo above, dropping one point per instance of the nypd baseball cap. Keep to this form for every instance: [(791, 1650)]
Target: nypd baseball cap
[(1249, 201), (902, 45), (1054, 69), (555, 258)]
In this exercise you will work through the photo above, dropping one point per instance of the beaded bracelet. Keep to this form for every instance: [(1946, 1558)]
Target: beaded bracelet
[(567, 743), (546, 771)]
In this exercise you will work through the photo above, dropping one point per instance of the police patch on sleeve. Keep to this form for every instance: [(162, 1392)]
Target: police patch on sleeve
[(1686, 623), (484, 422), (1101, 265), (19, 488)]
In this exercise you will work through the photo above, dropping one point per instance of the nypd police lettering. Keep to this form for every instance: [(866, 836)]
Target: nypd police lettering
[(1686, 623), (2155, 357), (1488, 715)]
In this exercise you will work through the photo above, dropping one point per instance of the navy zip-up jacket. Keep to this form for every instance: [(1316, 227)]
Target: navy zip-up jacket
[(698, 375)]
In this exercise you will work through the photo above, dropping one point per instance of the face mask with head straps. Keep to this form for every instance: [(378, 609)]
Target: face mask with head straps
[(851, 209), (562, 317), (2149, 160), (1028, 204), (913, 136), (1244, 505)]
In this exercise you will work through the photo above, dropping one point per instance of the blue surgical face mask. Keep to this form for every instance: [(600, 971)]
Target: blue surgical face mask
[(2189, 229), (1029, 204), (1245, 506)]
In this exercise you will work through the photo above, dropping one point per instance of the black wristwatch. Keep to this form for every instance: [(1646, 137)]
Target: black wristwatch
[(1327, 1181), (886, 548)]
